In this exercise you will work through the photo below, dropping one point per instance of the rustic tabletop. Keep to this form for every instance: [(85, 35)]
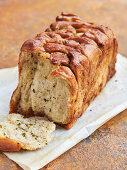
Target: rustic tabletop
[(106, 148)]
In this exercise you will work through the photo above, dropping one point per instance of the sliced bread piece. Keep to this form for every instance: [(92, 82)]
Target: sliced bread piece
[(17, 132)]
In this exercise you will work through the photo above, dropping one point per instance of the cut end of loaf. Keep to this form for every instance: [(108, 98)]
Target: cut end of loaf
[(17, 132), (40, 91)]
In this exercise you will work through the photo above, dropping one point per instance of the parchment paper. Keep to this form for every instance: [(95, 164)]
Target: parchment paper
[(111, 101)]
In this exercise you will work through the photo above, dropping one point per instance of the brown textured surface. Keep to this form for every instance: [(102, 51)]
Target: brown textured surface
[(19, 20)]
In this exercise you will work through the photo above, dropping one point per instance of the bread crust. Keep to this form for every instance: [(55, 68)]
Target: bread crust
[(84, 54), (7, 144)]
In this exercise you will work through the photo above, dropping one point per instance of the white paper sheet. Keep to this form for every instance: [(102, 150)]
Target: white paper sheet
[(111, 101)]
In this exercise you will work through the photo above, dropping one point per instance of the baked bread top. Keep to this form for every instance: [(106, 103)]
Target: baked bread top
[(69, 37)]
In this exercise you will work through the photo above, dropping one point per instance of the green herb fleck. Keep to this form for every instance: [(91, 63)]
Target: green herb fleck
[(33, 135), (27, 125), (30, 124), (0, 126), (23, 134), (33, 90)]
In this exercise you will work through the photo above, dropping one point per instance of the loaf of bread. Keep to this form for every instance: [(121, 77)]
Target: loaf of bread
[(18, 133), (63, 69)]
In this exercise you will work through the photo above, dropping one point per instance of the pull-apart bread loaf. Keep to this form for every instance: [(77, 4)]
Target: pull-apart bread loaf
[(63, 69), (18, 133)]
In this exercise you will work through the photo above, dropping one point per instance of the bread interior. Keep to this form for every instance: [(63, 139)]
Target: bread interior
[(39, 93)]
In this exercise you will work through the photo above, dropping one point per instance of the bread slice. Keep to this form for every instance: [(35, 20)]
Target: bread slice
[(63, 69), (17, 132)]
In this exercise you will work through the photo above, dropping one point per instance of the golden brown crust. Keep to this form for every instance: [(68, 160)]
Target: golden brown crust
[(30, 45), (13, 103), (59, 59), (7, 144), (86, 49)]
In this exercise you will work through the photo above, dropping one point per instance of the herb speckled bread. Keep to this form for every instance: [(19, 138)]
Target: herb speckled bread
[(63, 69), (17, 132)]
